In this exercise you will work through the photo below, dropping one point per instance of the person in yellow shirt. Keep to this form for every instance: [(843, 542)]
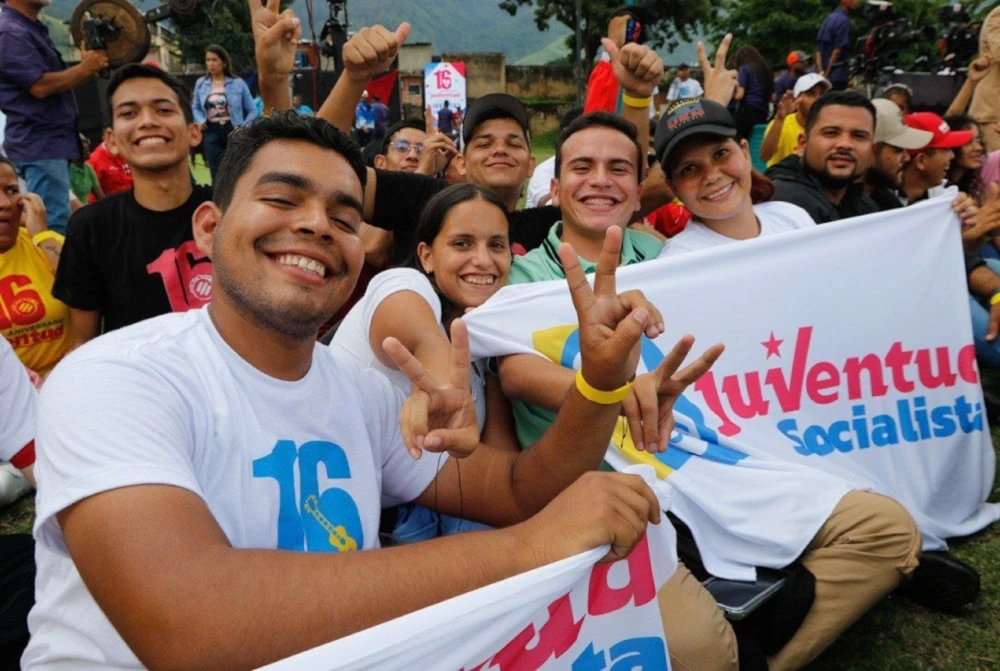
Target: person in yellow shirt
[(781, 137), (34, 322)]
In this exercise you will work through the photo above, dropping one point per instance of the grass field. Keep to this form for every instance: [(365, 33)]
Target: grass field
[(894, 636)]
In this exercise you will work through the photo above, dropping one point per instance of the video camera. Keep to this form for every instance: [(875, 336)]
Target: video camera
[(117, 27), (960, 43), (887, 39), (334, 33)]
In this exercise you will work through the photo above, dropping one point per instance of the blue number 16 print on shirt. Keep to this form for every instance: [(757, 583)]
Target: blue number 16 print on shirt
[(316, 521)]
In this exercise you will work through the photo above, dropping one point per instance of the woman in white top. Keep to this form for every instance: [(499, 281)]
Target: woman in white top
[(711, 173), (462, 257)]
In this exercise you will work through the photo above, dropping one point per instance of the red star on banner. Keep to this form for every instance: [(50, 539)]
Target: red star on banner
[(772, 346)]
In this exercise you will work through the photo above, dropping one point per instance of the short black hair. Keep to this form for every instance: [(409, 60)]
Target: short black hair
[(601, 119), (844, 98), (683, 66), (245, 142), (143, 71)]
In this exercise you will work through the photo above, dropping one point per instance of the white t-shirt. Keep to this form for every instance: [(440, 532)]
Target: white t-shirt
[(540, 184), (17, 404), (774, 217), (167, 401), (691, 88), (353, 340)]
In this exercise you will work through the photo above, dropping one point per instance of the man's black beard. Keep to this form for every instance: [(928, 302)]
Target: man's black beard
[(826, 179), (879, 179)]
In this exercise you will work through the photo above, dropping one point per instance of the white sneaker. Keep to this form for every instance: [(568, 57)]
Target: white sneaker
[(13, 485)]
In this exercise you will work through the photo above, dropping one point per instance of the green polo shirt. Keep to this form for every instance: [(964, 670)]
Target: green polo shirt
[(542, 263)]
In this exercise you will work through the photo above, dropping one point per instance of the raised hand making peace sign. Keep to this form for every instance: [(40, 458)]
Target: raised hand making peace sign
[(275, 36), (439, 415), (720, 82), (611, 325)]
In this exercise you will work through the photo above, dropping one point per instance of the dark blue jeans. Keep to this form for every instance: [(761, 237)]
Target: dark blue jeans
[(216, 139)]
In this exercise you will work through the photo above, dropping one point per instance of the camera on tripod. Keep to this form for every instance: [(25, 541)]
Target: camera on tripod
[(960, 43), (888, 38), (334, 33), (97, 32)]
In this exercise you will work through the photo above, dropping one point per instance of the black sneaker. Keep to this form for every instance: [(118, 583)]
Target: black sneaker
[(941, 583)]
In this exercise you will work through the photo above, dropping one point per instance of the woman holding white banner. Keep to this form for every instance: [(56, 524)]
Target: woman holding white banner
[(711, 173), (869, 544)]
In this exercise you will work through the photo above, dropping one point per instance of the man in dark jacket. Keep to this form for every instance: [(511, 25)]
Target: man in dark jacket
[(837, 149)]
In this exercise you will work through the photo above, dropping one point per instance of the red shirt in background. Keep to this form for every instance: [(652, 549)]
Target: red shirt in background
[(113, 173)]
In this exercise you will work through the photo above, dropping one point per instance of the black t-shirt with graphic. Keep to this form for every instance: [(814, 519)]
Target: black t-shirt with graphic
[(401, 196), (129, 263)]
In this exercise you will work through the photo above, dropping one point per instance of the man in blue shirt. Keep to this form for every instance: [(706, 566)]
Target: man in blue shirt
[(364, 121), (36, 95), (833, 45), (446, 120), (797, 64)]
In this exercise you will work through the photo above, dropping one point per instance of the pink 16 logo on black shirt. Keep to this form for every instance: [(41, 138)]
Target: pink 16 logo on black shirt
[(186, 275)]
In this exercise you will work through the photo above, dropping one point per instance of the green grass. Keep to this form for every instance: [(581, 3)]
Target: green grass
[(202, 175), (894, 636)]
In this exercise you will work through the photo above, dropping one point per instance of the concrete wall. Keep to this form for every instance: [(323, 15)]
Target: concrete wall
[(412, 57), (541, 81), (485, 72), (544, 116)]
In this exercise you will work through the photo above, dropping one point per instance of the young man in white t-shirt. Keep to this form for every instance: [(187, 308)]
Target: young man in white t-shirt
[(197, 465), (683, 86), (17, 426)]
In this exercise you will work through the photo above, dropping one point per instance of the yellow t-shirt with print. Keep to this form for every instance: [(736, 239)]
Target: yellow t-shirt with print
[(32, 320), (789, 139)]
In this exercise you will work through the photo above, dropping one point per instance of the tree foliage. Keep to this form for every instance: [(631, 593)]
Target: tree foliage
[(776, 27), (674, 20), (225, 22)]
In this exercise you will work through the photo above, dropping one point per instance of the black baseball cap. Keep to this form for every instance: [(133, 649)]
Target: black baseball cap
[(688, 117), (417, 124), (493, 106)]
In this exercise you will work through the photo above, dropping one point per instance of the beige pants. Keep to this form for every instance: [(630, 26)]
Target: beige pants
[(867, 547)]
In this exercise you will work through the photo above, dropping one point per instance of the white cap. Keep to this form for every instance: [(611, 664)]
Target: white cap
[(807, 81), (891, 130)]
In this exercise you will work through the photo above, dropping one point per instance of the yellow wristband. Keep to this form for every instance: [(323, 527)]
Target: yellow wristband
[(995, 298), (636, 102), (601, 397), (39, 238)]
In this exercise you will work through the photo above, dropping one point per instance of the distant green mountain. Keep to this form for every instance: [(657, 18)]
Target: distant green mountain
[(556, 50), (450, 25)]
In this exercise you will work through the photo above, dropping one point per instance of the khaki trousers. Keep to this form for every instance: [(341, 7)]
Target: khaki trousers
[(866, 548)]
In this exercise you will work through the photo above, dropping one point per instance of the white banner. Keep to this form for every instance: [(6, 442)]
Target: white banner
[(849, 364), (574, 614), (444, 81)]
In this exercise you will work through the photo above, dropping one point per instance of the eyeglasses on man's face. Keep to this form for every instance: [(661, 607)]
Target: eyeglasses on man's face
[(404, 146)]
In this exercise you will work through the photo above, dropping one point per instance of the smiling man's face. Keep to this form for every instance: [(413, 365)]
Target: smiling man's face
[(286, 251), (598, 185), (149, 130)]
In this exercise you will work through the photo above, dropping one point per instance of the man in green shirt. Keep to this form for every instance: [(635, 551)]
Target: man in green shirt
[(598, 169)]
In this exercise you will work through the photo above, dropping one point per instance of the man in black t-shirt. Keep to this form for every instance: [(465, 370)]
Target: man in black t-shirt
[(496, 152), (132, 256)]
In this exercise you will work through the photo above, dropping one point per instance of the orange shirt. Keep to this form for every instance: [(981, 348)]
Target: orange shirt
[(32, 320)]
